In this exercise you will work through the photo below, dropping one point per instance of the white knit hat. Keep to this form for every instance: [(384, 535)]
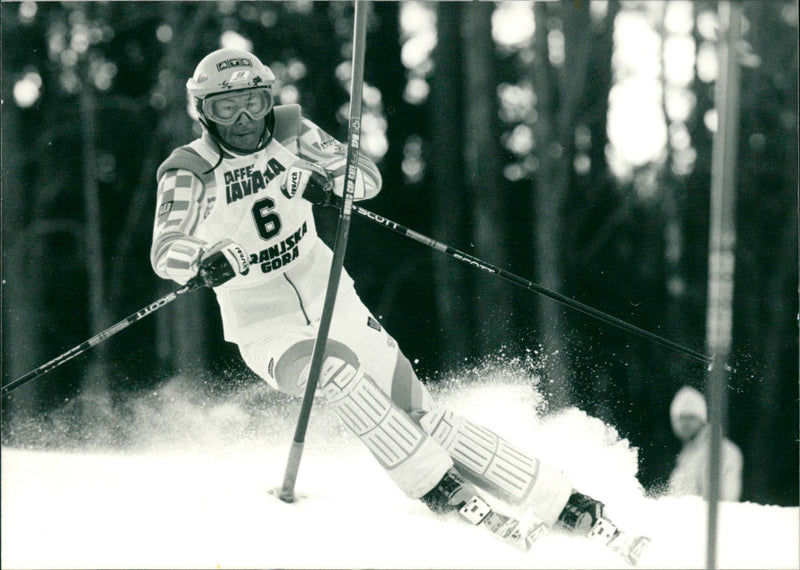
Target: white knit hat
[(688, 401)]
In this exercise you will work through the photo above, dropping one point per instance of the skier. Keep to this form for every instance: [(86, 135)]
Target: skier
[(234, 209), (688, 416)]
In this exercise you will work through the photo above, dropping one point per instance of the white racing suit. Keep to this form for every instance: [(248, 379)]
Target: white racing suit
[(272, 312)]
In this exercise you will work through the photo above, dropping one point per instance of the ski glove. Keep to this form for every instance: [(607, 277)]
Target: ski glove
[(224, 261), (310, 181), (336, 167)]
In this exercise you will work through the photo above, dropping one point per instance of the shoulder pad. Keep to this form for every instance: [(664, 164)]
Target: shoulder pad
[(186, 158), (287, 123)]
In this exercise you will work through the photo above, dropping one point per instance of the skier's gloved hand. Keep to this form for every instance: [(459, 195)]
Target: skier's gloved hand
[(224, 261), (310, 181), (336, 167)]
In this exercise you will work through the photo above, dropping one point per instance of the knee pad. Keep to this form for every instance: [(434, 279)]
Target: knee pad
[(493, 463), (413, 460), (368, 411), (290, 372), (410, 457)]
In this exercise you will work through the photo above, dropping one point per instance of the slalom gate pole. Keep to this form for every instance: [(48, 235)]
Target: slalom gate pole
[(340, 246), (516, 280), (721, 253), (100, 337)]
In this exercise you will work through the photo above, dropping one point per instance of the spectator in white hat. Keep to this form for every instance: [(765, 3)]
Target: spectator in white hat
[(690, 476)]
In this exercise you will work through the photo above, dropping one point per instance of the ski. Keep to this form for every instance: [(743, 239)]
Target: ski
[(505, 527), (582, 516), (511, 531), (521, 535), (628, 546)]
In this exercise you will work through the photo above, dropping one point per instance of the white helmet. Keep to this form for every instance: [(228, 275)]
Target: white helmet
[(231, 70), (227, 70)]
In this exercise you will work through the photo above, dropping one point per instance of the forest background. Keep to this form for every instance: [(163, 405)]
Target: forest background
[(568, 142)]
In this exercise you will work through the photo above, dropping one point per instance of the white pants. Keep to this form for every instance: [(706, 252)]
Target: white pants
[(370, 383), (376, 393)]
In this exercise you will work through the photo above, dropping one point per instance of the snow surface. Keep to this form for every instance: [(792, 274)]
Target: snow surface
[(192, 488)]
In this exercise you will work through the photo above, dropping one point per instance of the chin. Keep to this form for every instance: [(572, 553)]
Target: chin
[(244, 144)]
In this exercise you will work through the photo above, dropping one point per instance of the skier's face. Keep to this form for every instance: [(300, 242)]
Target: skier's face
[(687, 426), (245, 133)]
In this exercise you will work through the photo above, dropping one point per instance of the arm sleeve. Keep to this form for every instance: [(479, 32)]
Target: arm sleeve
[(315, 145), (180, 206)]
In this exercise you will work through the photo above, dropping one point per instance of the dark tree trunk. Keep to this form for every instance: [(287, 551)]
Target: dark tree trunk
[(451, 281), (485, 186), (559, 93)]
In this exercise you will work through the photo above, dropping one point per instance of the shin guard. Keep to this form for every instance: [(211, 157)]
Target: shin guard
[(411, 458), (494, 464)]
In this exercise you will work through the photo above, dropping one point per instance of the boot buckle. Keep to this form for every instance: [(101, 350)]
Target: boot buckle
[(603, 530), (475, 510)]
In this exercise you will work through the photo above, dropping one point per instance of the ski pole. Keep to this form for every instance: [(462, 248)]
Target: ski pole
[(525, 283), (340, 245), (100, 337)]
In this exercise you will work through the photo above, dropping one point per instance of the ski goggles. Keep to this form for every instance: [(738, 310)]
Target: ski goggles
[(225, 108)]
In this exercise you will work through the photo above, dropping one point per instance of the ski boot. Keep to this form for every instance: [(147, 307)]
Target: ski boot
[(453, 492), (586, 516)]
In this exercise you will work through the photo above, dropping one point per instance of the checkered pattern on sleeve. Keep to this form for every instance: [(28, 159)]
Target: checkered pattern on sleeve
[(182, 205)]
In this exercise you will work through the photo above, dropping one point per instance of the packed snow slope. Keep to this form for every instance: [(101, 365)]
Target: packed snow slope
[(180, 479)]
